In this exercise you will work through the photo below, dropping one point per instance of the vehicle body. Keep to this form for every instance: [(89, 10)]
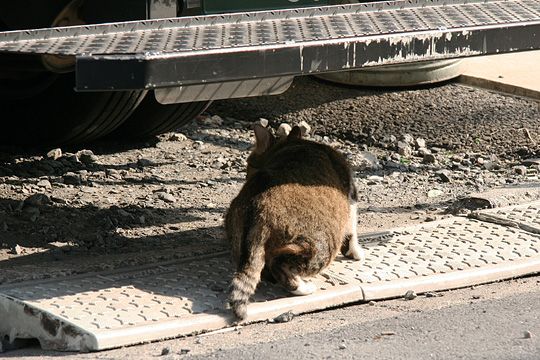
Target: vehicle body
[(139, 78)]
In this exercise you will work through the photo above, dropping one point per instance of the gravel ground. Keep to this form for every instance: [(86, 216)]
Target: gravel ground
[(451, 116), (84, 210), (107, 206)]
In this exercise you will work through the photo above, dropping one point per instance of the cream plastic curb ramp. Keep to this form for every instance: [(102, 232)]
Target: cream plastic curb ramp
[(129, 306)]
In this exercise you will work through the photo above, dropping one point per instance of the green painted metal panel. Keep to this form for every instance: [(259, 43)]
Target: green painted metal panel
[(224, 6)]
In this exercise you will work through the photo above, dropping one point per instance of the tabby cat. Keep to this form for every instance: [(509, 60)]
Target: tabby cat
[(296, 210)]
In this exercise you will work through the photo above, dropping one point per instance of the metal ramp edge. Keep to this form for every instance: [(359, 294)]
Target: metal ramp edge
[(129, 306), (270, 44)]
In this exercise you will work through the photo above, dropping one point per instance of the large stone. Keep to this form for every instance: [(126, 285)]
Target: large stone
[(87, 157), (283, 130), (55, 154)]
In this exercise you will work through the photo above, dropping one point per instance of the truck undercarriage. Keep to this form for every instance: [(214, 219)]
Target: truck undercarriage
[(126, 69)]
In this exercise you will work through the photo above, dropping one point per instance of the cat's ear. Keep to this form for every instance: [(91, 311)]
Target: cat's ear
[(263, 139), (296, 133)]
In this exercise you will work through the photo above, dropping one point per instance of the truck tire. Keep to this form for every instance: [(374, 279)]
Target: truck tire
[(58, 115), (402, 75), (152, 118)]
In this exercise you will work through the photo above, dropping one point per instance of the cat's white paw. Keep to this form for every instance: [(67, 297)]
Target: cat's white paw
[(356, 252), (305, 288)]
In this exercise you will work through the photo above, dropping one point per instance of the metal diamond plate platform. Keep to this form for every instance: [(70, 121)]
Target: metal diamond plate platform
[(111, 309), (194, 50)]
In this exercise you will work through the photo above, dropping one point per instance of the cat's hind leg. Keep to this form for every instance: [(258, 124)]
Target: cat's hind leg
[(354, 251)]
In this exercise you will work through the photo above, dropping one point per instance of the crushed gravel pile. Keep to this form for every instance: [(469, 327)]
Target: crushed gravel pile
[(452, 116)]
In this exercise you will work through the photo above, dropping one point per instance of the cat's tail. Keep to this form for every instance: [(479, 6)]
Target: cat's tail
[(248, 276)]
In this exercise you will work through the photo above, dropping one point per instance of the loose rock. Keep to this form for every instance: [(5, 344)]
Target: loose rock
[(365, 160), (283, 130), (490, 165), (165, 351), (410, 295), (263, 122), (520, 170), (165, 196), (177, 137), (305, 128), (420, 143), (198, 145), (113, 174), (434, 193), (55, 154), (37, 200), (17, 249), (142, 162), (408, 139), (214, 120), (389, 139), (283, 318), (531, 162), (71, 158), (87, 157), (527, 335), (444, 175), (429, 159), (71, 178), (44, 184), (404, 148)]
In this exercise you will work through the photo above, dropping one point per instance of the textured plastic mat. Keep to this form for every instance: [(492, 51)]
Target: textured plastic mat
[(111, 309)]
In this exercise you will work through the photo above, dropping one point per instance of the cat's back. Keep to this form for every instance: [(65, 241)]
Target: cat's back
[(308, 163), (297, 179)]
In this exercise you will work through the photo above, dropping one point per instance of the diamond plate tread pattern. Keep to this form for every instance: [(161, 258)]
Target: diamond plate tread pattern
[(270, 27), (124, 307), (528, 214), (444, 247)]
